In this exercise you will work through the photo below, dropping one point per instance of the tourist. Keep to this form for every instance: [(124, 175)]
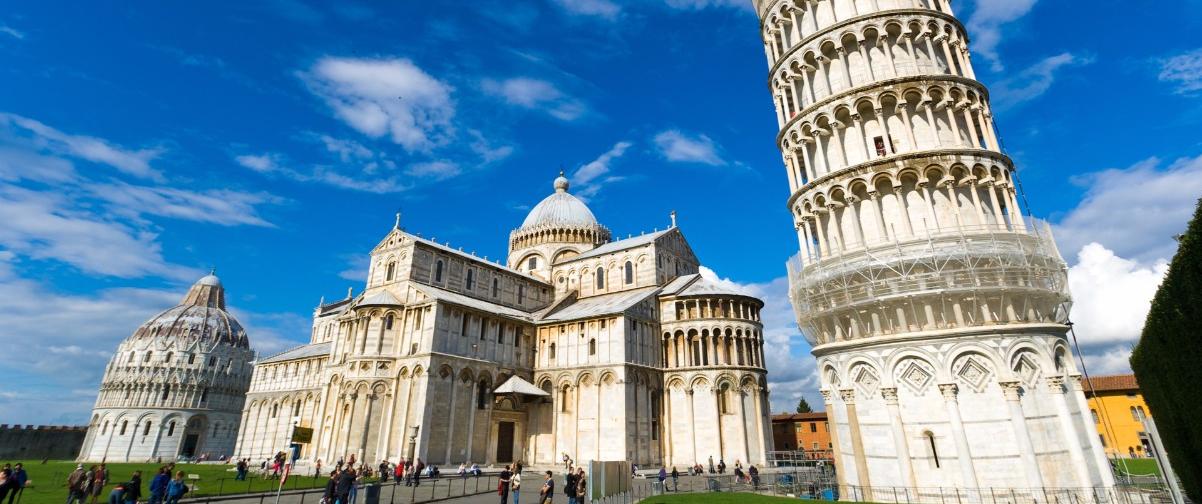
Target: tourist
[(569, 486), (176, 488), (241, 469), (581, 486), (663, 476), (712, 464), (417, 471), (462, 470), (133, 488), (158, 486), (547, 492), (384, 471), (503, 485), (721, 466), (738, 474), (475, 470), (515, 483), (100, 478), (317, 470), (346, 481), (77, 485), (755, 476), (331, 491), (675, 479), (398, 472), (18, 478)]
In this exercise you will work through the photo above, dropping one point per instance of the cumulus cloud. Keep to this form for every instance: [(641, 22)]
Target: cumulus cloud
[(590, 178), (536, 94), (677, 146), (987, 21), (42, 138), (276, 165), (604, 9), (1111, 295), (1032, 82), (1183, 70), (386, 98), (1134, 211)]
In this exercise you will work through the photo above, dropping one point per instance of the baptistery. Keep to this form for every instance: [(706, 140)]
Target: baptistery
[(174, 389)]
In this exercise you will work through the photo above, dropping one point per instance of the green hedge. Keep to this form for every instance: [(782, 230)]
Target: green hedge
[(1168, 359)]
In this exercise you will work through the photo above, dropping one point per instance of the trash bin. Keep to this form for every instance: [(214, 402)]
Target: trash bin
[(372, 495)]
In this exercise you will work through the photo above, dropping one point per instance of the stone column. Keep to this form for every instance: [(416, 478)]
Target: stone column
[(929, 203), (900, 442), (1072, 439), (972, 128), (1018, 422), (953, 200), (828, 398), (909, 42), (857, 442), (861, 44), (822, 69), (855, 219), (883, 41), (808, 160), (834, 220), (929, 109), (857, 125), (692, 424), (837, 138), (905, 115), (951, 121), (1095, 444), (824, 247), (878, 215), (968, 474), (841, 53)]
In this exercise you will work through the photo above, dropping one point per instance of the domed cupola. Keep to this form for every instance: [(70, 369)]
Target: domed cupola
[(559, 226), (200, 317)]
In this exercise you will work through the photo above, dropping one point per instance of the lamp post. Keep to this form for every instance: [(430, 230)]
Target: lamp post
[(413, 440)]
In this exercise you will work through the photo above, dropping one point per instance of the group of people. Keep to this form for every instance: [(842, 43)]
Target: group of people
[(85, 486), (751, 476), (509, 483), (12, 482)]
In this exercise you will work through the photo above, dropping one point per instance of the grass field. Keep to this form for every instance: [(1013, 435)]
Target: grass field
[(48, 482), (722, 498), (1138, 467)]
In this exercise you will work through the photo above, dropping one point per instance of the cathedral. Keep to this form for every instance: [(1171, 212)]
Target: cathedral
[(580, 345)]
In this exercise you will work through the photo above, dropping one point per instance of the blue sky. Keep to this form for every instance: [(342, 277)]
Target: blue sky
[(141, 144)]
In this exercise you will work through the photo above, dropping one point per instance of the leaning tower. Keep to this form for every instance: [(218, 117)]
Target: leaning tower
[(937, 311)]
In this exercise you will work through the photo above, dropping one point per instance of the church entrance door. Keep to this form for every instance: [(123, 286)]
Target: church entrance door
[(190, 441), (505, 442)]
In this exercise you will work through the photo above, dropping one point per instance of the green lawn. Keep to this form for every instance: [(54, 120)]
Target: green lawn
[(48, 482), (1138, 466), (723, 498)]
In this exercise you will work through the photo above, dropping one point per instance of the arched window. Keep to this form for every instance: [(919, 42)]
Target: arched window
[(296, 408), (592, 346), (191, 358), (388, 322), (391, 271), (482, 395), (275, 409), (532, 263), (104, 430), (470, 283), (204, 394), (600, 278), (551, 351), (564, 398), (629, 273), (168, 358), (496, 287), (166, 392), (124, 424), (723, 404), (146, 430), (147, 358), (438, 271), (131, 356), (413, 349), (932, 451)]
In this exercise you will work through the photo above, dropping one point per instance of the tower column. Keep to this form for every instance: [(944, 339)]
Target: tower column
[(899, 436), (1018, 423), (968, 474), (1055, 387)]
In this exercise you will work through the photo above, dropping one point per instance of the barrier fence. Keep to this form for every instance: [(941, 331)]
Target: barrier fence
[(390, 492)]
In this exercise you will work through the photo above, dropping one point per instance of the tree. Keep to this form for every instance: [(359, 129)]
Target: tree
[(803, 406), (1166, 358)]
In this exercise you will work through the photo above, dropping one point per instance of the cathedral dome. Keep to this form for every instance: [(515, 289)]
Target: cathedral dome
[(560, 209), (201, 316)]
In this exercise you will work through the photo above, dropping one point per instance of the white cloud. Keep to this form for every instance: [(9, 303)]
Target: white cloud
[(1111, 295), (486, 150), (221, 206), (986, 22), (437, 170), (599, 8), (678, 146), (590, 178), (347, 150), (1135, 211), (46, 139), (386, 97), (1183, 70), (1032, 82), (536, 94), (8, 30), (705, 4), (275, 165)]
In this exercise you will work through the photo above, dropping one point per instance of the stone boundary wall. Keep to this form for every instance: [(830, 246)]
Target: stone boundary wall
[(35, 442)]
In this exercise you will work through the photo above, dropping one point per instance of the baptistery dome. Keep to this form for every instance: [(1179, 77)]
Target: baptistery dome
[(174, 389)]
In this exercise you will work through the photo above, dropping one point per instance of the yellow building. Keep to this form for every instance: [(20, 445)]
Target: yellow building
[(1116, 410)]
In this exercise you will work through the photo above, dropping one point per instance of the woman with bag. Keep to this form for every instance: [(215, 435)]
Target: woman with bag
[(515, 483)]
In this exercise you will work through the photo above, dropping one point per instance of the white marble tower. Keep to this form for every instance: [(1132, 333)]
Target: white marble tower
[(935, 309)]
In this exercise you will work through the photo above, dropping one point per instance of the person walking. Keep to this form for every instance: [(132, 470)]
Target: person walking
[(503, 484), (384, 472), (581, 487), (755, 476), (712, 464), (342, 492), (547, 492), (77, 484), (331, 491), (176, 488), (515, 483), (663, 476), (240, 469), (358, 478), (569, 486), (100, 478), (133, 488), (158, 486), (675, 479), (19, 477), (418, 467)]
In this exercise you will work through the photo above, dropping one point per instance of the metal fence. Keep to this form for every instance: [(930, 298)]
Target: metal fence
[(390, 492)]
